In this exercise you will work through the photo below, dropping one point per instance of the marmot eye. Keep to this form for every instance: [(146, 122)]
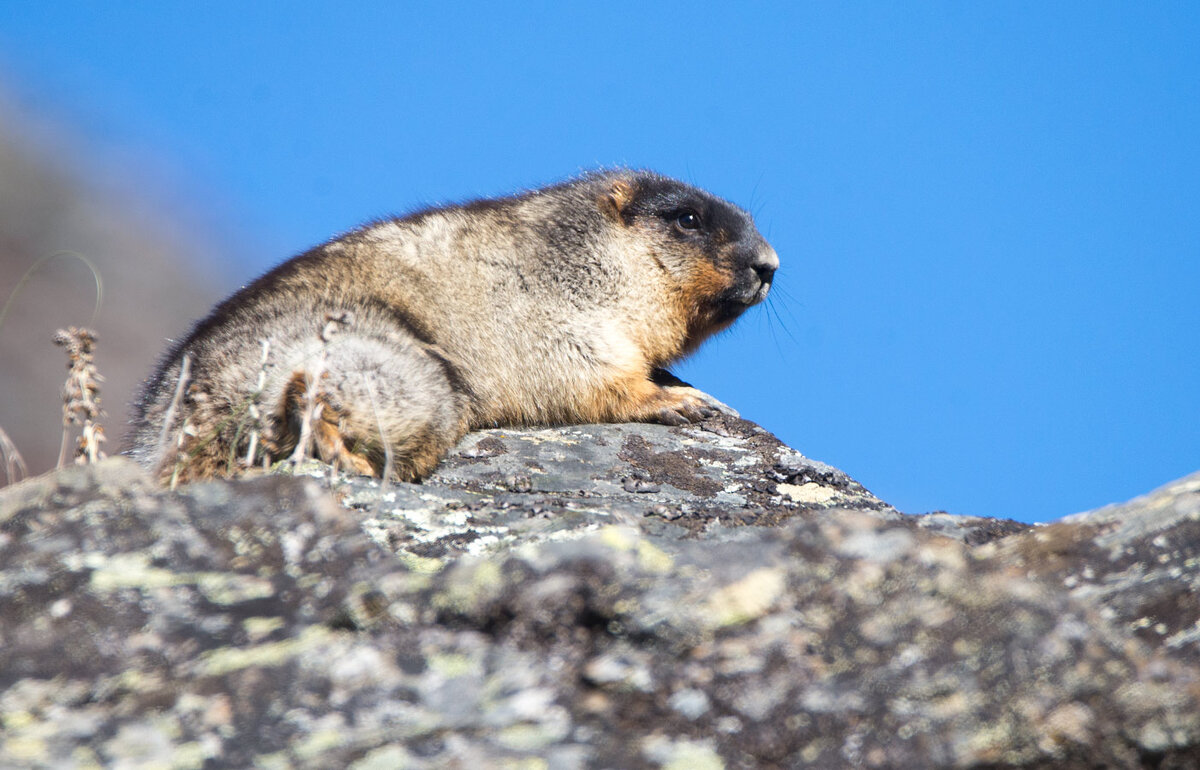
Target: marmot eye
[(688, 220)]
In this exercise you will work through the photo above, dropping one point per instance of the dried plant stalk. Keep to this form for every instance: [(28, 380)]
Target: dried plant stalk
[(389, 459), (255, 416), (312, 410), (185, 368), (81, 396), (14, 465), (313, 406)]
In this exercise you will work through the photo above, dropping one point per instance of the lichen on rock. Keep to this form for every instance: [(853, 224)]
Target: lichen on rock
[(588, 596)]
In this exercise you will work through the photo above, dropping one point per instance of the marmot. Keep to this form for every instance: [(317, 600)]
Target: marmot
[(555, 306)]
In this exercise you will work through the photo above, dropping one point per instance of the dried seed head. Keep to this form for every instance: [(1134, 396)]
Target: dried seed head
[(81, 394)]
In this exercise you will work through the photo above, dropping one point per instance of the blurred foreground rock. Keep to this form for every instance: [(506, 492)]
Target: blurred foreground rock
[(617, 596)]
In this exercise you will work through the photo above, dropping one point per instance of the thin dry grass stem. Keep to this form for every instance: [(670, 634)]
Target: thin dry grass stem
[(37, 263), (93, 434), (312, 410), (334, 323), (81, 396), (388, 458), (186, 431), (255, 416), (185, 371), (14, 465)]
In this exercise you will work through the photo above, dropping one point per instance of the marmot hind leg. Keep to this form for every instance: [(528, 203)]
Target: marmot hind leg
[(365, 402)]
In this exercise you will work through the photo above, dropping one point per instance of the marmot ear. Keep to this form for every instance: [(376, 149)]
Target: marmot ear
[(619, 196)]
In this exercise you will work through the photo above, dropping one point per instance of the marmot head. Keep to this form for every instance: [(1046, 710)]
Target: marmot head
[(709, 249)]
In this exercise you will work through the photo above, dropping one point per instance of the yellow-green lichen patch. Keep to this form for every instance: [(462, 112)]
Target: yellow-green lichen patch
[(421, 564), (222, 588), (747, 599), (226, 660), (682, 754), (524, 763), (85, 759), (811, 492), (453, 665), (619, 538), (133, 570), (542, 437), (526, 737), (652, 558), (384, 758), (15, 721), (468, 586), (322, 741), (259, 627), (24, 748), (127, 570), (275, 761)]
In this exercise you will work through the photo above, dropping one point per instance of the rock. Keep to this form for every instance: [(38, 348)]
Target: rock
[(1137, 563), (587, 596)]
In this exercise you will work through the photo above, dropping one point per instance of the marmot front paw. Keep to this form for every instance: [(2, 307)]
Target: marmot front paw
[(681, 406)]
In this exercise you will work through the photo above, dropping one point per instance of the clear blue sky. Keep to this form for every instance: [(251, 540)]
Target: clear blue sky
[(988, 214)]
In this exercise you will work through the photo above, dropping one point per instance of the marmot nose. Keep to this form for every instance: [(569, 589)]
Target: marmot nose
[(765, 264)]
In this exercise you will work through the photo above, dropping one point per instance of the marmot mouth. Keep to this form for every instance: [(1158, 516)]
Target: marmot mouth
[(751, 293), (739, 299)]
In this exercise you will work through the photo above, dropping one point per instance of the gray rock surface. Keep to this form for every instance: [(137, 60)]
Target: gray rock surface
[(615, 596), (1138, 563)]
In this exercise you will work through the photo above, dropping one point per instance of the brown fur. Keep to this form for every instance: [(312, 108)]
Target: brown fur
[(555, 306)]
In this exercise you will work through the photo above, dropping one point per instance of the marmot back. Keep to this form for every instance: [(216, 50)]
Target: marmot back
[(386, 345)]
